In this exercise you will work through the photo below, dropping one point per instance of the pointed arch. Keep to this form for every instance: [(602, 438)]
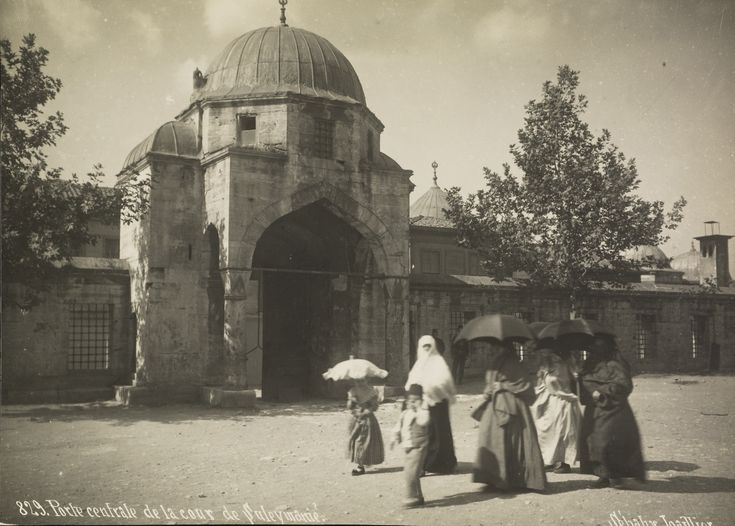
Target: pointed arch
[(382, 243)]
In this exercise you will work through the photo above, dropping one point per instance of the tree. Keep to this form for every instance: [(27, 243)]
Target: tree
[(45, 218), (572, 214)]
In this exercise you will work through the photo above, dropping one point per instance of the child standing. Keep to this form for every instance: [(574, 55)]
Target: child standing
[(365, 444), (412, 432)]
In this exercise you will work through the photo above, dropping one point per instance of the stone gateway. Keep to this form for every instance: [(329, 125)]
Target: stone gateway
[(275, 223)]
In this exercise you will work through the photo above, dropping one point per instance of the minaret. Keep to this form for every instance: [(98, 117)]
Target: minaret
[(713, 250)]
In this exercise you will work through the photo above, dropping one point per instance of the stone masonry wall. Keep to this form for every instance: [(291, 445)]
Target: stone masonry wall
[(36, 343), (670, 348)]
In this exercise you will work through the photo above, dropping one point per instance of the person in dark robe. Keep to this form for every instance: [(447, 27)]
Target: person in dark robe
[(440, 347), (365, 440), (508, 455), (460, 350), (432, 373), (610, 444)]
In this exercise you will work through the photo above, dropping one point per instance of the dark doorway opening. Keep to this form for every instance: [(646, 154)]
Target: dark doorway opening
[(215, 309), (308, 262)]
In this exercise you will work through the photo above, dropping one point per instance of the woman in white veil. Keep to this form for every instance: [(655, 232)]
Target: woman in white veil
[(432, 373)]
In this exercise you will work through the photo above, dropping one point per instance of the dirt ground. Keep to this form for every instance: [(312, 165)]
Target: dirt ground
[(285, 463)]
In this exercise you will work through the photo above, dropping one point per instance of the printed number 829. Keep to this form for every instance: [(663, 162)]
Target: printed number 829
[(33, 508)]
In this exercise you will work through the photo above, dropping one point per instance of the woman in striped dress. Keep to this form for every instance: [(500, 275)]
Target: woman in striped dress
[(365, 444)]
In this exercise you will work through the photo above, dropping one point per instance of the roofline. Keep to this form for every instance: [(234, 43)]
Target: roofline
[(284, 98), (146, 161), (711, 236), (511, 286)]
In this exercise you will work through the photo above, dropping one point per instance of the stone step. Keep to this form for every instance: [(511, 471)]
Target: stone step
[(58, 396)]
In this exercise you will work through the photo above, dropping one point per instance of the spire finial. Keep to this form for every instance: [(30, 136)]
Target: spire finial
[(283, 12), (435, 165)]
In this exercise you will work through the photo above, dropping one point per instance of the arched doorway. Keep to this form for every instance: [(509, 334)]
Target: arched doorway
[(311, 264)]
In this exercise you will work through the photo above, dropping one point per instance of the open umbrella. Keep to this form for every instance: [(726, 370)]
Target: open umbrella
[(501, 327), (578, 326), (354, 369), (538, 326)]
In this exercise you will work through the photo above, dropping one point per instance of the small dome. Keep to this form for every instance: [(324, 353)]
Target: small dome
[(173, 138), (648, 254), (428, 210), (689, 264), (431, 204), (279, 60)]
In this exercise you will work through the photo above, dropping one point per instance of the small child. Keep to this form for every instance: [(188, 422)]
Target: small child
[(412, 432), (365, 443)]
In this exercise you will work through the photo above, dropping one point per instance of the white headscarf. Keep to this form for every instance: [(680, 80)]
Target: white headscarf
[(432, 373)]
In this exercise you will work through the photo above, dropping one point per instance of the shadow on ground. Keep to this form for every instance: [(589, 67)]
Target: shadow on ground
[(670, 465), (117, 414), (688, 484)]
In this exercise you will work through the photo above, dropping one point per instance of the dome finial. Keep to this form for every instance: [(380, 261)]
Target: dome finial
[(435, 165), (283, 12)]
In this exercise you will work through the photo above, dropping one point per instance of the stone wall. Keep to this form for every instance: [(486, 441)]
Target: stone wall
[(167, 252), (670, 342), (37, 341)]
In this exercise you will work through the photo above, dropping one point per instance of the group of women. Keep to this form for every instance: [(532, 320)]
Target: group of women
[(526, 428), (526, 425)]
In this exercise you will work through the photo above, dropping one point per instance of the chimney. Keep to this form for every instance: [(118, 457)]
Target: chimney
[(714, 256)]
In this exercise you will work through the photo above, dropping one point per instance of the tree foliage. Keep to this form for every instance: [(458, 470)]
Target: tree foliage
[(45, 217), (573, 212)]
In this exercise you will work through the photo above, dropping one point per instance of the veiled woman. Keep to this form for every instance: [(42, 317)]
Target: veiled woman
[(610, 444), (556, 410), (432, 373), (508, 455)]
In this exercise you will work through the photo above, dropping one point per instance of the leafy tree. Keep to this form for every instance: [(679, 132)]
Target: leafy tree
[(574, 211), (45, 219)]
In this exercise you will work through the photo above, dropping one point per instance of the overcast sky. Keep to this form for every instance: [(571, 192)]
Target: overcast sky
[(449, 79)]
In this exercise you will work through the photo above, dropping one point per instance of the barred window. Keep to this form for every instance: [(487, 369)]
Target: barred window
[(89, 336), (323, 138), (458, 318), (698, 330), (644, 335), (520, 348)]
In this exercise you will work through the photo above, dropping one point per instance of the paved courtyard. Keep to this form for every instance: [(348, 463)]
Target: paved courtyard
[(105, 464)]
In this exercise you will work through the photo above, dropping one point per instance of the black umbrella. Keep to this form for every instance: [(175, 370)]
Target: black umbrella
[(574, 333), (537, 326), (501, 327)]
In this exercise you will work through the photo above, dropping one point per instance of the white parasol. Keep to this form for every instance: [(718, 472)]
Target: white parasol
[(354, 369)]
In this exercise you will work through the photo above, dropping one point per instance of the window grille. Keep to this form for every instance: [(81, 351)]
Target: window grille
[(698, 332), (456, 318), (323, 138), (520, 348), (89, 336), (644, 335)]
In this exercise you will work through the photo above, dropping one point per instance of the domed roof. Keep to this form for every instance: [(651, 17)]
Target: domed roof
[(648, 254), (278, 60), (172, 138), (689, 264), (428, 210)]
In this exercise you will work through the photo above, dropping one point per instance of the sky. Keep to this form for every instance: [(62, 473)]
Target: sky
[(448, 79)]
